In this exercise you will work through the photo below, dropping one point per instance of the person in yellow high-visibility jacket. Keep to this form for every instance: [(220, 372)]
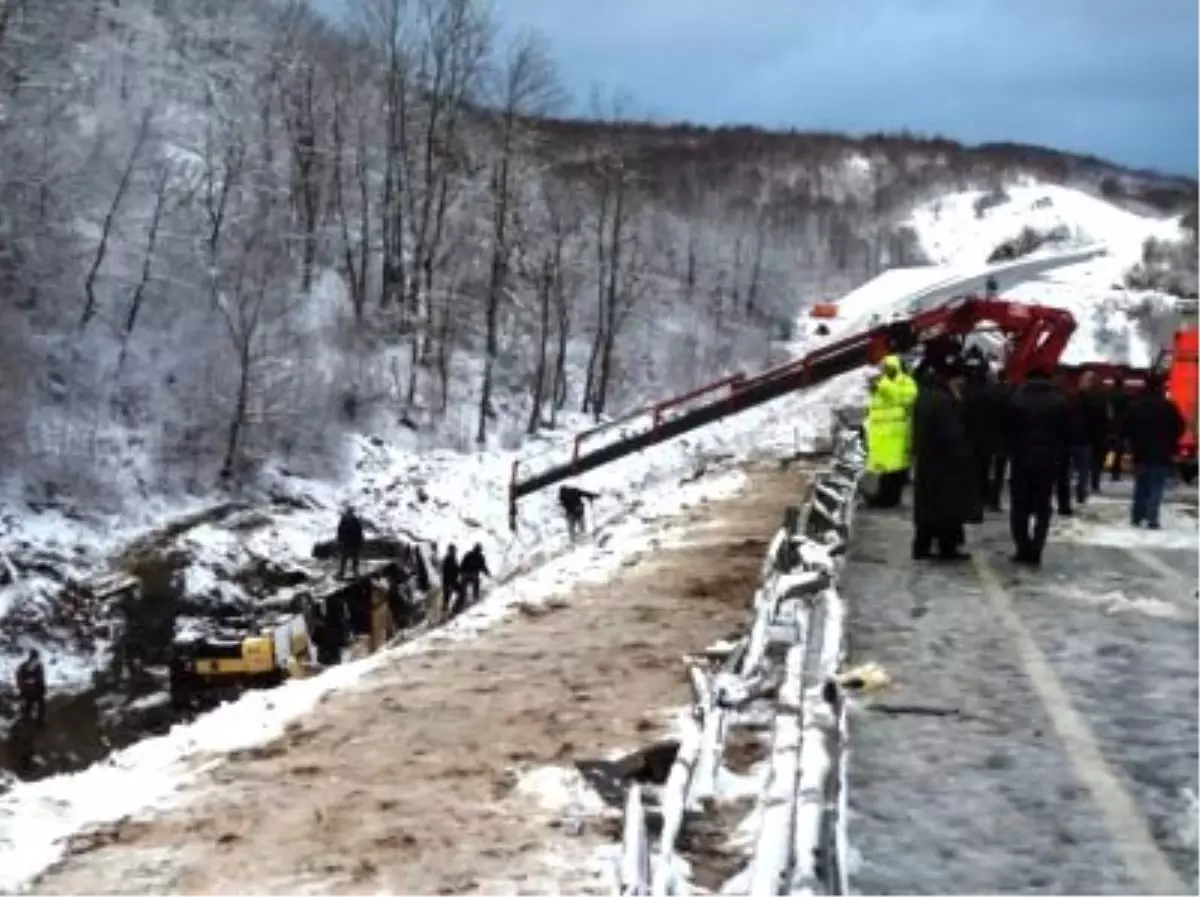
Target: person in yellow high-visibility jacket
[(889, 431)]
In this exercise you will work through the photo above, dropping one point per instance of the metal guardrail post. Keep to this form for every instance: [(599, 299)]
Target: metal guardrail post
[(801, 846)]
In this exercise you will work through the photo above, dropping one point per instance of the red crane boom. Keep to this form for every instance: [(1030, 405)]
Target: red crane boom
[(1036, 336)]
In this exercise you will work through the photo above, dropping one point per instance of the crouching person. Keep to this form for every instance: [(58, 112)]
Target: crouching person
[(572, 499)]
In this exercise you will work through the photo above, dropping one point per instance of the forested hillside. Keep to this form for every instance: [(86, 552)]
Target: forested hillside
[(230, 231)]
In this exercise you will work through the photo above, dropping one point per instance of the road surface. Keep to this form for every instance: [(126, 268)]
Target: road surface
[(1042, 734)]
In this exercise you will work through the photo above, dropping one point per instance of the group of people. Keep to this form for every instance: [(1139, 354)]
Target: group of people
[(960, 432), (462, 578)]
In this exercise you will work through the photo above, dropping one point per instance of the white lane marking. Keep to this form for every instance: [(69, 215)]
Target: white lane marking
[(1122, 815)]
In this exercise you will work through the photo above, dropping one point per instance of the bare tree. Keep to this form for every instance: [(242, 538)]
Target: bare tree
[(251, 308), (110, 219), (612, 230), (526, 85), (135, 304), (455, 38)]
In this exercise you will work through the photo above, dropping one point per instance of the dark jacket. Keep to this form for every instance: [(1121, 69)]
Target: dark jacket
[(571, 498), (945, 485), (1088, 417), (350, 531), (979, 414), (474, 564), (1153, 426), (1116, 403), (997, 396), (31, 680), (1038, 426), (450, 572)]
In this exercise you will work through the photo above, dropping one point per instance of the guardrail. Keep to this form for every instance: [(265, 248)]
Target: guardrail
[(788, 660)]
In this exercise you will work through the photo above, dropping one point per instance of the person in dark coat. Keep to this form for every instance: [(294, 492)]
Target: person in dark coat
[(1086, 439), (1117, 401), (945, 482), (1062, 483), (349, 541), (980, 419), (1153, 425), (334, 625), (999, 391), (473, 568), (571, 498), (358, 608), (1038, 425), (451, 577), (31, 689)]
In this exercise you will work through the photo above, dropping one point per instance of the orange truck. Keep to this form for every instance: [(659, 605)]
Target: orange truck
[(1181, 387)]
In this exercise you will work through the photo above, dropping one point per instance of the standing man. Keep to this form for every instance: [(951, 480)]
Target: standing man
[(31, 688), (1038, 428), (1118, 401), (474, 566), (1153, 426), (888, 425), (1062, 485), (945, 486), (999, 392), (350, 541), (1087, 423), (451, 577), (981, 419), (1094, 404)]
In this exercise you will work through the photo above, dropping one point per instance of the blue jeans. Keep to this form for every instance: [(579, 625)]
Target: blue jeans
[(1149, 483)]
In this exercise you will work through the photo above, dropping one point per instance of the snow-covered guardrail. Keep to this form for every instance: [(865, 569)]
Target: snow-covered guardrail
[(787, 662), (1005, 273)]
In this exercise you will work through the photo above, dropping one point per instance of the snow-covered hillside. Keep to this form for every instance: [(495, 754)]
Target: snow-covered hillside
[(1114, 323), (965, 228), (402, 486)]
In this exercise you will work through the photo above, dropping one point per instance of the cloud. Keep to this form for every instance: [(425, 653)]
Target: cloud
[(1117, 78)]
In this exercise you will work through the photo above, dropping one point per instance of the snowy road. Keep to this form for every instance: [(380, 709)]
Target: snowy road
[(1042, 737), (438, 776)]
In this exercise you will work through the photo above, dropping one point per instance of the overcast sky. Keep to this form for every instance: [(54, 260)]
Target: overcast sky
[(1117, 78)]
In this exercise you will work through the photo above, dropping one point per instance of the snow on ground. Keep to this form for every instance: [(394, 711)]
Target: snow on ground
[(449, 496), (953, 235), (37, 818), (444, 496)]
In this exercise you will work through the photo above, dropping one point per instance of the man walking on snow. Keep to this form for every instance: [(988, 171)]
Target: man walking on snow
[(473, 568), (1038, 428), (1153, 426), (888, 426)]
